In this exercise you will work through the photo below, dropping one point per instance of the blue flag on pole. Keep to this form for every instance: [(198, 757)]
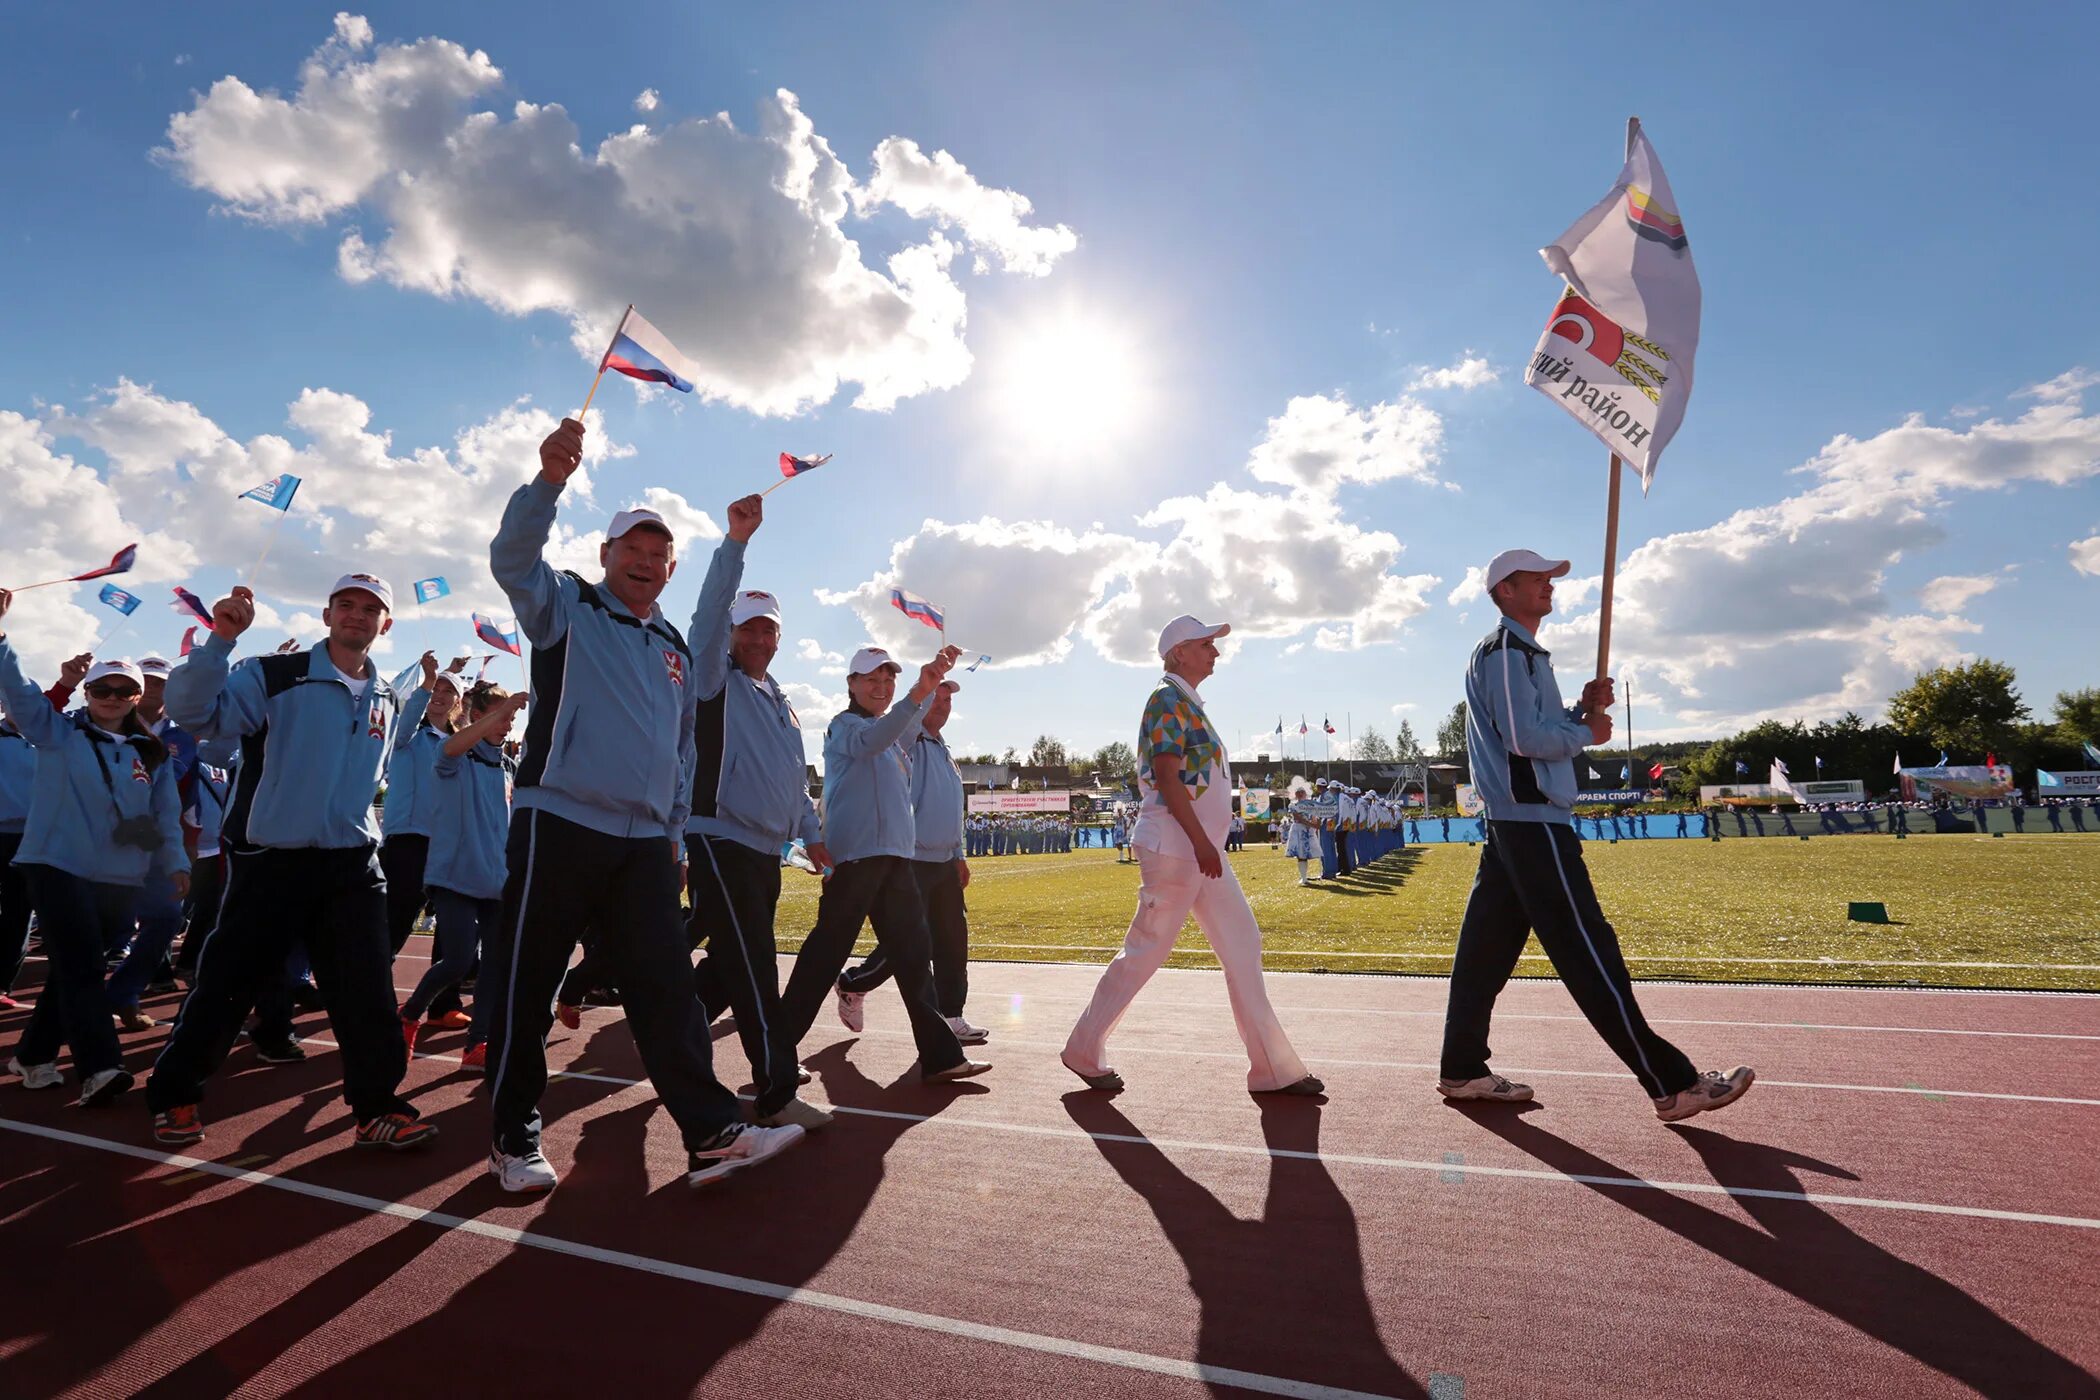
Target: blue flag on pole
[(276, 493), (117, 598), (429, 590), (1742, 769)]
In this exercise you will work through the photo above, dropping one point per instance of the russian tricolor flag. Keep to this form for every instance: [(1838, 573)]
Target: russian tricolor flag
[(918, 609), (190, 605), (485, 628), (120, 562), (641, 351), (791, 465), (189, 640)]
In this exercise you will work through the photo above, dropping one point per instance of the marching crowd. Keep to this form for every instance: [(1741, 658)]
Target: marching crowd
[(656, 762)]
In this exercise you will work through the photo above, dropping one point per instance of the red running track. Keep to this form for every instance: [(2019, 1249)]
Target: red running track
[(1908, 1204)]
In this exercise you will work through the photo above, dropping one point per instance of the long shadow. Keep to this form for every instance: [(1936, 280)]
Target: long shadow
[(1296, 1275), (1813, 1255), (781, 1223)]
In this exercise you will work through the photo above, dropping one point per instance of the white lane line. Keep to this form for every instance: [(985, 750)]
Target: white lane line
[(1402, 1163), (1270, 950), (1061, 1347)]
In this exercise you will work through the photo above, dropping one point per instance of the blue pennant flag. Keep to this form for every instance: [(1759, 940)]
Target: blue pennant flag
[(982, 659), (276, 493), (117, 598), (429, 590)]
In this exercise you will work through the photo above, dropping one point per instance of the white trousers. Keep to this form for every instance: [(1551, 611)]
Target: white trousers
[(1171, 888)]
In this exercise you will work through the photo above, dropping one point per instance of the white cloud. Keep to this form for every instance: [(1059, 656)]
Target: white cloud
[(1320, 442), (809, 649), (646, 100), (735, 242), (1471, 372), (2070, 385), (1471, 589), (1953, 592), (2085, 554)]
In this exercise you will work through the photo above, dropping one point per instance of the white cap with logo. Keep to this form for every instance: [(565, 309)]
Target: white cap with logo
[(635, 516), (122, 669), (869, 659), (364, 583), (752, 603), (1187, 629), (1512, 561), (155, 666)]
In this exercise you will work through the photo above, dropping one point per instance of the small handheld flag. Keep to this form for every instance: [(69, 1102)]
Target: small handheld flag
[(791, 465), (125, 603), (429, 590), (486, 629), (190, 605), (641, 351), (189, 641), (483, 668), (276, 493), (978, 662), (120, 562), (288, 646), (918, 609)]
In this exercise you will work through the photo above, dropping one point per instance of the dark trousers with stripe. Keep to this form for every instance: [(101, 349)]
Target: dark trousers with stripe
[(403, 858), (207, 889), (14, 912), (878, 889), (334, 901), (948, 921), (77, 919), (1532, 880), (735, 891), (562, 876)]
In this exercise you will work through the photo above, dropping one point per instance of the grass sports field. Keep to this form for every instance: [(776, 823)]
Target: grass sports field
[(2021, 911)]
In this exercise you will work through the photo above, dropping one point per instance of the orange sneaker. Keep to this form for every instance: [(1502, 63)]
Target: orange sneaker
[(476, 1058), (452, 1020), (570, 1016), (395, 1131), (409, 1026), (179, 1124)]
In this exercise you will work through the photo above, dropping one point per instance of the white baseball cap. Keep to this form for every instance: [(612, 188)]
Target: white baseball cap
[(154, 666), (752, 603), (1187, 629), (951, 685), (1511, 561), (121, 668), (456, 679), (637, 515), (364, 583), (871, 659)]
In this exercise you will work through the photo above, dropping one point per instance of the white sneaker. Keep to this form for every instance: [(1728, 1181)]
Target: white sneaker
[(102, 1086), (740, 1147), (853, 1009), (800, 1113), (531, 1172), (36, 1076), (1489, 1086), (1714, 1090), (967, 1033)]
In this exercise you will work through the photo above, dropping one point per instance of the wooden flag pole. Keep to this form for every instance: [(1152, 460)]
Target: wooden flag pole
[(774, 487), (601, 362), (1611, 571), (255, 574)]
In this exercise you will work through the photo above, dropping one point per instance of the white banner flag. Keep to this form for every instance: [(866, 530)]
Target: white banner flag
[(1617, 352)]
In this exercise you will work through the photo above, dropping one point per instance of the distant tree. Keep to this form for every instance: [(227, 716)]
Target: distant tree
[(1451, 734), (1372, 747), (1010, 756), (1115, 760), (2078, 714), (1048, 752), (1406, 747), (1971, 709)]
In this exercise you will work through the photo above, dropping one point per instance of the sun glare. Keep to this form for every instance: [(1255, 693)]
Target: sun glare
[(1070, 388)]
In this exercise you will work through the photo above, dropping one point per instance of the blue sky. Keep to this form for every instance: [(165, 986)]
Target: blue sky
[(1244, 239)]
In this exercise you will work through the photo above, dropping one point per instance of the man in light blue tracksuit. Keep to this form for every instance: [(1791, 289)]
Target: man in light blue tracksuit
[(1521, 742), (750, 798), (316, 731), (603, 791)]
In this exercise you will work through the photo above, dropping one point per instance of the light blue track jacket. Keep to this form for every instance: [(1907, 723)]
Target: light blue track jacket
[(73, 807), (17, 778), (867, 784), (470, 800), (410, 806), (749, 779), (1521, 739), (936, 800), (609, 740), (312, 757)]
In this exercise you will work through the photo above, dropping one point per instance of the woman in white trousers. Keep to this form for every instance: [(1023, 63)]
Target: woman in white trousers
[(1185, 783)]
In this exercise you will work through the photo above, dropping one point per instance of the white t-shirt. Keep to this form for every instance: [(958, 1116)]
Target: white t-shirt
[(1175, 725), (326, 669)]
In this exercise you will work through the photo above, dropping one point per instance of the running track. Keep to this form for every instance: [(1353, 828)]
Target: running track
[(1907, 1205)]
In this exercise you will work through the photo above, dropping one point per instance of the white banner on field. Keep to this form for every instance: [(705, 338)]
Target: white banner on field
[(2067, 784), (1832, 790), (1020, 801)]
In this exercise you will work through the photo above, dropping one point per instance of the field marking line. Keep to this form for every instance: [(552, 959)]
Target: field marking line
[(1203, 950), (1061, 1347)]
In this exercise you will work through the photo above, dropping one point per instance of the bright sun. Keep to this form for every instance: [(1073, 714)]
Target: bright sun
[(1071, 387)]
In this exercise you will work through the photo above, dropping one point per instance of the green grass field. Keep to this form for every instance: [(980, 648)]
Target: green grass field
[(1683, 909)]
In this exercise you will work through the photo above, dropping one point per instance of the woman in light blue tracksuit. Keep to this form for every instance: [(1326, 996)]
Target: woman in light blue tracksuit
[(468, 791), (104, 819), (871, 834)]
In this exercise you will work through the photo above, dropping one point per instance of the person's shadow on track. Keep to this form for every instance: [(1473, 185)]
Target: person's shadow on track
[(1289, 1282), (1806, 1250)]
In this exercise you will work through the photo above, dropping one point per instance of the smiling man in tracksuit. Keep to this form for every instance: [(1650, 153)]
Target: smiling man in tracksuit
[(316, 731), (1521, 743), (750, 798), (602, 797)]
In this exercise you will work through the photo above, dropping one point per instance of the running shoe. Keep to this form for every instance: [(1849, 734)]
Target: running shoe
[(102, 1086), (36, 1076), (409, 1026), (1312, 1086), (570, 1016), (968, 1069), (853, 1011), (396, 1132), (130, 1018), (799, 1113), (280, 1052), (454, 1020), (1492, 1087), (531, 1172), (1714, 1090), (967, 1033), (476, 1058), (8, 1003), (737, 1147), (802, 1074), (179, 1124)]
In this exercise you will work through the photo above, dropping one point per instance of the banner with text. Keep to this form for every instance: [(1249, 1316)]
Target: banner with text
[(1021, 802)]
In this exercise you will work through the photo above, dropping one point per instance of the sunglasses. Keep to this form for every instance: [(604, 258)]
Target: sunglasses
[(105, 691)]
